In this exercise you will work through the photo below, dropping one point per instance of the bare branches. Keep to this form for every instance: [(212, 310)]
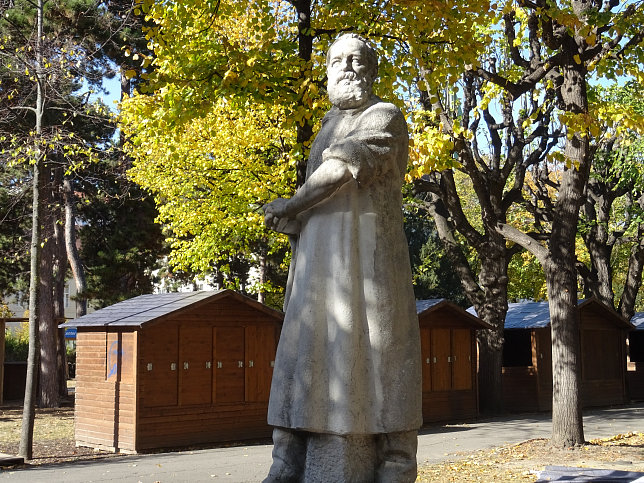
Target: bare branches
[(515, 54)]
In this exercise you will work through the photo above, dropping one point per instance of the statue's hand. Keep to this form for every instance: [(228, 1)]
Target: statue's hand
[(278, 207), (277, 217)]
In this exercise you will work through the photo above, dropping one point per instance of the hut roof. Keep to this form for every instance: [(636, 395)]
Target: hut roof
[(430, 305), (535, 315), (638, 321), (422, 305), (527, 315), (139, 310)]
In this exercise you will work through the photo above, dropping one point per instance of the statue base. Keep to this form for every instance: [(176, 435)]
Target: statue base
[(304, 457)]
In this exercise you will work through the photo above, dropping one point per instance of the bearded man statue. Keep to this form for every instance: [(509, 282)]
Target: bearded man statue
[(346, 392)]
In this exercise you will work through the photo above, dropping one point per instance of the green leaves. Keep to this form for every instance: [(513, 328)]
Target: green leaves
[(211, 175)]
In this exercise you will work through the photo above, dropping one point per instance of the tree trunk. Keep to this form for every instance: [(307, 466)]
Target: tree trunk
[(633, 281), (126, 85), (72, 251), (31, 385), (492, 308), (561, 280), (600, 260), (491, 370), (61, 364), (567, 420), (599, 280), (48, 377), (305, 49), (29, 406), (261, 295), (60, 279), (635, 268)]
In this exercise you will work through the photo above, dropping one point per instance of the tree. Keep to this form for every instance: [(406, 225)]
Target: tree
[(566, 42), (221, 139), (15, 220), (537, 67), (48, 52), (120, 243), (611, 222), (494, 151), (28, 415)]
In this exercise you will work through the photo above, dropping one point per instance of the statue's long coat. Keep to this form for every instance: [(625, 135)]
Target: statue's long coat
[(348, 359)]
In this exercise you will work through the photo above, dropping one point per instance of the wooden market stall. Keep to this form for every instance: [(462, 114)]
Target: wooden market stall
[(635, 367), (527, 356), (448, 347), (174, 369)]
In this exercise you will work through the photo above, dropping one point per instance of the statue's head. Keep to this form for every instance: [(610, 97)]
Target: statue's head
[(351, 67)]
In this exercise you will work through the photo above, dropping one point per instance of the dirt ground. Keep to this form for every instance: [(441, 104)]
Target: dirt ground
[(54, 443), (53, 436)]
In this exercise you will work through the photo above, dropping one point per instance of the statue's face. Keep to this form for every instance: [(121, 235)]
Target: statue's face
[(349, 74)]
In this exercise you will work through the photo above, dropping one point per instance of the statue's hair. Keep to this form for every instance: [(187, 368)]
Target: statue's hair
[(372, 56)]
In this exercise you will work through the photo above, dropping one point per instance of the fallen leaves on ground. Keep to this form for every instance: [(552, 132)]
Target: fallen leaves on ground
[(522, 461)]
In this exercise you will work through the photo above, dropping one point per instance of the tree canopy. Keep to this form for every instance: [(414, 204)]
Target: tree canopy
[(216, 127)]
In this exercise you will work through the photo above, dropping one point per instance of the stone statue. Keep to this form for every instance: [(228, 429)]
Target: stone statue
[(346, 393)]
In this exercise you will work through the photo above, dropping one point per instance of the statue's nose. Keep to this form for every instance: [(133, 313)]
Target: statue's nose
[(347, 64)]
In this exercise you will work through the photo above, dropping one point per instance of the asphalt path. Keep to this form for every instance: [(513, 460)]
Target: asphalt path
[(242, 464)]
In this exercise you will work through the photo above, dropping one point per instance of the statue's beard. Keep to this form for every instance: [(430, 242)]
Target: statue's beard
[(349, 90)]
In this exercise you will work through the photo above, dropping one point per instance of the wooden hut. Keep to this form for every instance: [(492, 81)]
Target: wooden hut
[(448, 347), (174, 369), (635, 366), (527, 356)]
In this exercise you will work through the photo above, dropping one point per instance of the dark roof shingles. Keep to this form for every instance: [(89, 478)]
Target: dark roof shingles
[(141, 309)]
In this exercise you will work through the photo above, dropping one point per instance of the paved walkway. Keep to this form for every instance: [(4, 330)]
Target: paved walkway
[(250, 463)]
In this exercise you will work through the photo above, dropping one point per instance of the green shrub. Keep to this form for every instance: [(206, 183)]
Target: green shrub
[(16, 344)]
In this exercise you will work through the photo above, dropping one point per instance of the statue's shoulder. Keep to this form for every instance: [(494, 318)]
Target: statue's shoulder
[(384, 113)]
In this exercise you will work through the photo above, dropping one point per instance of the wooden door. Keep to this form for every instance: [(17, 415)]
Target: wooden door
[(426, 353), (160, 357), (541, 338), (228, 363), (441, 360), (261, 344), (461, 359), (195, 365)]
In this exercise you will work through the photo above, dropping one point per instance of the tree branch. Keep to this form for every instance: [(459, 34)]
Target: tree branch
[(526, 241)]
